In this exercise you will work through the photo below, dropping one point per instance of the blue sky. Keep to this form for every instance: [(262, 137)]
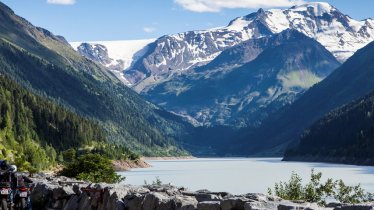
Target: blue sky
[(92, 20)]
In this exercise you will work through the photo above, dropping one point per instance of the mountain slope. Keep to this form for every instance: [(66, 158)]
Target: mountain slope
[(34, 131), (173, 65), (354, 79), (174, 54), (344, 135), (246, 83), (47, 64)]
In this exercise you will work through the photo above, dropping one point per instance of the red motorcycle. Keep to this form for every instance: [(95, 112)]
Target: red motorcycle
[(22, 197)]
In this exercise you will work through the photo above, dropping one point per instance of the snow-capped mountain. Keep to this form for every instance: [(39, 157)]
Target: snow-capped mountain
[(172, 54), (246, 83), (117, 56), (177, 71)]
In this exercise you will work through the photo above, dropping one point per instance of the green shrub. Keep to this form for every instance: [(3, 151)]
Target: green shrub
[(157, 182), (69, 155), (92, 167), (318, 192)]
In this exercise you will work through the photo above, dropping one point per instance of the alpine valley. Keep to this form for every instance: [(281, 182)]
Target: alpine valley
[(254, 86), (268, 82)]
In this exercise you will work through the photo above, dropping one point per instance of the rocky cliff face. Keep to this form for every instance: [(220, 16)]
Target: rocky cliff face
[(60, 194)]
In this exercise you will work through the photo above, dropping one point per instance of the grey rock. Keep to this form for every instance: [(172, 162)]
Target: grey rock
[(286, 205), (96, 52), (84, 202), (41, 195), (72, 204), (260, 205), (133, 202), (77, 189), (200, 197), (185, 202), (356, 207), (234, 203), (157, 201), (209, 205)]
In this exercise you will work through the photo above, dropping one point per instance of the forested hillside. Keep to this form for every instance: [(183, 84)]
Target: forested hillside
[(34, 132), (47, 65), (344, 135)]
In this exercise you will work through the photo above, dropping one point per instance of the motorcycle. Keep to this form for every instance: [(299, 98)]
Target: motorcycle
[(22, 197), (6, 195)]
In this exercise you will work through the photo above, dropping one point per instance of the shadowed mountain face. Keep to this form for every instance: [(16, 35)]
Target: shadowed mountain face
[(354, 79), (47, 64), (344, 135), (246, 83)]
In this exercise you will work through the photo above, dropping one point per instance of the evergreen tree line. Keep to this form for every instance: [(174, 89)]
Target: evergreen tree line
[(35, 132), (81, 87), (344, 135)]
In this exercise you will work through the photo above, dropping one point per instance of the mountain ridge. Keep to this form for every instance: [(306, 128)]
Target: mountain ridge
[(47, 65), (171, 58), (269, 71), (320, 21)]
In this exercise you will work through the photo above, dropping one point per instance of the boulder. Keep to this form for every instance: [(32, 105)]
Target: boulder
[(236, 203), (133, 201), (185, 202), (84, 202), (356, 207), (286, 205), (156, 201), (41, 195), (72, 204), (260, 205), (209, 205), (201, 197)]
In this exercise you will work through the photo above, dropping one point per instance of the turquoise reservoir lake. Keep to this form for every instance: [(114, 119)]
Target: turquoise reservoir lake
[(243, 175)]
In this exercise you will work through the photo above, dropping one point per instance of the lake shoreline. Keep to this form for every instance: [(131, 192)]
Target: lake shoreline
[(125, 165), (331, 160), (169, 158)]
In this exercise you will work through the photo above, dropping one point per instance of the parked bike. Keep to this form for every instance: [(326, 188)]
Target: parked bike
[(14, 188), (22, 197), (6, 191)]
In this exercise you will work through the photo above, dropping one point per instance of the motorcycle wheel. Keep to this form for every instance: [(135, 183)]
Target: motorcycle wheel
[(23, 204), (4, 204)]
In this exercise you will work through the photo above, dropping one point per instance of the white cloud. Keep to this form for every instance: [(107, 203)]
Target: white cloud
[(149, 29), (218, 5), (64, 2)]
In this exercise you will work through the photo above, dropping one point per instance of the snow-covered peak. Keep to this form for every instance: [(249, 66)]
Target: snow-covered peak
[(178, 53), (124, 50), (339, 33), (238, 24), (117, 56), (318, 8)]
